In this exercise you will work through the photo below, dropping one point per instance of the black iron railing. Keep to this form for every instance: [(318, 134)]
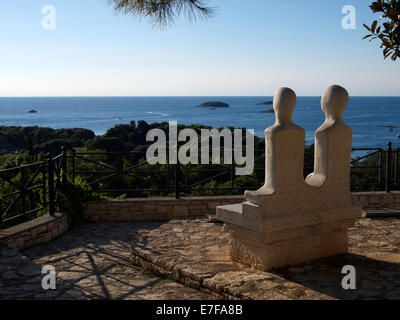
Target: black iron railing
[(165, 179), (104, 171), (383, 172), (31, 189), (175, 179)]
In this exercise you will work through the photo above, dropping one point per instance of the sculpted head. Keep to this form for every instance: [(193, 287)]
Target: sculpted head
[(334, 102), (284, 104)]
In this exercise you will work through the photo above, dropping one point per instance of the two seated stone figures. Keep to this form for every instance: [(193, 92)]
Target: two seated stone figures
[(290, 219)]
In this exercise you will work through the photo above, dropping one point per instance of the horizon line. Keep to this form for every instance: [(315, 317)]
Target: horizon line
[(196, 96)]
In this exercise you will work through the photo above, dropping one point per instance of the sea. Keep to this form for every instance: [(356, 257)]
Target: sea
[(375, 120)]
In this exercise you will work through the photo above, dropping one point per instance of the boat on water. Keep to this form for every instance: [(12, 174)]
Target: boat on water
[(32, 111)]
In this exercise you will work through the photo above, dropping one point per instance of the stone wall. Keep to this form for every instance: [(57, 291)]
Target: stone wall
[(164, 209), (378, 199), (36, 231), (155, 209), (46, 228)]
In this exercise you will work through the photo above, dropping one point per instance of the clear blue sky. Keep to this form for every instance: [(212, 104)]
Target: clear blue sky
[(251, 47)]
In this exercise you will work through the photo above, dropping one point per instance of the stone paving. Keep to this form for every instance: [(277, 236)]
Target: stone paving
[(196, 253), (92, 262), (21, 278)]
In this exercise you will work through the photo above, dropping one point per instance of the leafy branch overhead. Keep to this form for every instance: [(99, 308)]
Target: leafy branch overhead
[(388, 32), (163, 12)]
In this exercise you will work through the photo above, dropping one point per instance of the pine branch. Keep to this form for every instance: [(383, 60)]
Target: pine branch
[(163, 12)]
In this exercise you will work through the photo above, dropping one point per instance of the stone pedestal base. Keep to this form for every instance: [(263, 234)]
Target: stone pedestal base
[(287, 247)]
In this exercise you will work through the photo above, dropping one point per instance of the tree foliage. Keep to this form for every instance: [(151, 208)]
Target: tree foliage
[(163, 12), (388, 31), (40, 139)]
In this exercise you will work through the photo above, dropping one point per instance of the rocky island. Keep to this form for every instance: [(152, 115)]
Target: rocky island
[(214, 104)]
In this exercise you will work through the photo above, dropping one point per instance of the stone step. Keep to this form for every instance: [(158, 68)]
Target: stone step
[(196, 253), (381, 212)]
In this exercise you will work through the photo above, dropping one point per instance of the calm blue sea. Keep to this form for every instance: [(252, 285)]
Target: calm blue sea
[(365, 115)]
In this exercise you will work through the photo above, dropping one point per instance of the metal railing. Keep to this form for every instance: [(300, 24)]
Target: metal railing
[(167, 179), (105, 171), (31, 189), (179, 179), (386, 171)]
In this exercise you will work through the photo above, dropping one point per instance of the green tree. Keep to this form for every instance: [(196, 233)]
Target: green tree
[(388, 30)]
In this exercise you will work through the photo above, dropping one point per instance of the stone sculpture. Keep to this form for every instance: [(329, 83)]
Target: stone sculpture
[(290, 219)]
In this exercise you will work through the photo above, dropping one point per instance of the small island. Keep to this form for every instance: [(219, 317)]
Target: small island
[(214, 104), (268, 111), (265, 103)]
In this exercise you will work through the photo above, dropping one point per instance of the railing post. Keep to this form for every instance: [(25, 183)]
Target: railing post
[(232, 174), (396, 164), (388, 167), (381, 179), (168, 176), (177, 196), (44, 181), (232, 171), (73, 166), (64, 165), (121, 171), (51, 185), (22, 191)]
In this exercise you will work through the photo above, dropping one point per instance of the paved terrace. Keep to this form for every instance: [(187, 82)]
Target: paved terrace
[(93, 262)]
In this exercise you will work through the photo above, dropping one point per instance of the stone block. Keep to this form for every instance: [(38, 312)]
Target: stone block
[(41, 229), (212, 205), (47, 237), (94, 218), (388, 200), (108, 218), (270, 251), (196, 213), (55, 233), (148, 207), (180, 210), (33, 233), (26, 236), (124, 217), (374, 200), (164, 209), (198, 207), (12, 244)]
